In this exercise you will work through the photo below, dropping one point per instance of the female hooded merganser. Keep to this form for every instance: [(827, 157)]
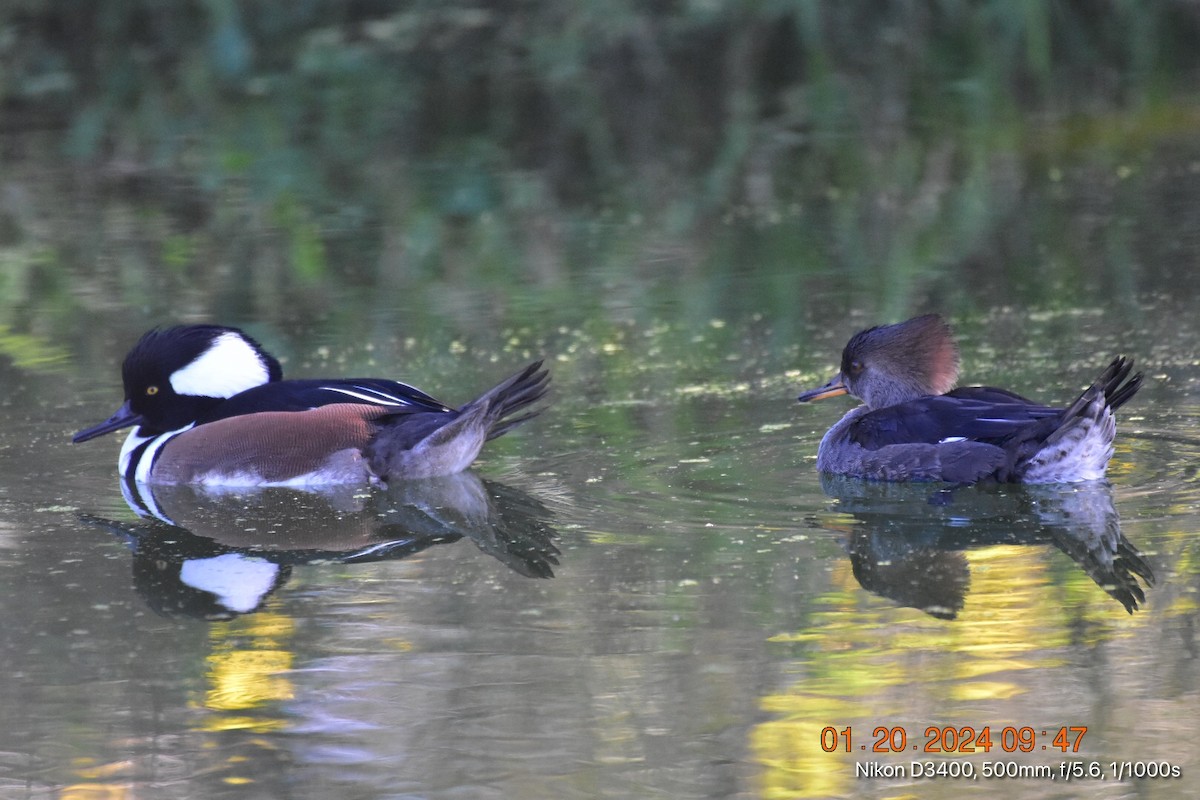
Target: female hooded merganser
[(913, 426), (211, 407)]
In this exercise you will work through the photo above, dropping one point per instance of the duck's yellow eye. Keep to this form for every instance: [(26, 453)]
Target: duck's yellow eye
[(151, 390)]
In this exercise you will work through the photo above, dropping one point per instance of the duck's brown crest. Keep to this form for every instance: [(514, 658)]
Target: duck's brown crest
[(919, 354), (933, 346)]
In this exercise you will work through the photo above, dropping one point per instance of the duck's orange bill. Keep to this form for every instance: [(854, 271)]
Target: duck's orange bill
[(832, 389)]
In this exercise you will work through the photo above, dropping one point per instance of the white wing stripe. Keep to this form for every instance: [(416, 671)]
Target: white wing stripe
[(370, 395)]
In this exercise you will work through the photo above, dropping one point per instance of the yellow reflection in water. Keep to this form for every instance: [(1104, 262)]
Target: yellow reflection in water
[(96, 791), (247, 670), (866, 662)]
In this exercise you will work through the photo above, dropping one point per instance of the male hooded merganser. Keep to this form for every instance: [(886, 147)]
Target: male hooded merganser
[(211, 407), (913, 426)]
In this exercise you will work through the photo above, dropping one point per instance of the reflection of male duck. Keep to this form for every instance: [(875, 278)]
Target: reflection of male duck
[(217, 555), (910, 550)]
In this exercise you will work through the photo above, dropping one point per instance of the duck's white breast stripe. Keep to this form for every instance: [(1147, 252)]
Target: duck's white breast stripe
[(146, 460), (132, 443)]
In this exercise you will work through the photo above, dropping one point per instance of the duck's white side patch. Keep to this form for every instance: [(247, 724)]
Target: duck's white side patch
[(229, 366), (952, 439), (341, 468), (238, 581)]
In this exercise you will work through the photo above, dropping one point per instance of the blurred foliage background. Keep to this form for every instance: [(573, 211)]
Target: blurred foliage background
[(486, 164), (686, 205)]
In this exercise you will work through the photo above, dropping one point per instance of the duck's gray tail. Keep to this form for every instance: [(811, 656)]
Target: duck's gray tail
[(510, 397), (1112, 389), (1081, 443), (426, 443), (1117, 390)]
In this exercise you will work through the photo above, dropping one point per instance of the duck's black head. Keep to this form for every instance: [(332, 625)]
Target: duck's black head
[(174, 376)]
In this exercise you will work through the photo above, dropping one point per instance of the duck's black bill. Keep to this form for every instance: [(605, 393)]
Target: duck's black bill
[(122, 419), (832, 389)]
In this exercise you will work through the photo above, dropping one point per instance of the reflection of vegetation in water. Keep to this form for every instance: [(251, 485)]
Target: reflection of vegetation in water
[(247, 672), (275, 157), (30, 352), (862, 665)]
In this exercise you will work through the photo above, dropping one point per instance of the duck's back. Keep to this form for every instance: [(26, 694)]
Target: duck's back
[(980, 433)]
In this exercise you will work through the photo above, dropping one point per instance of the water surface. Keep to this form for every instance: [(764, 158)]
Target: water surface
[(646, 592)]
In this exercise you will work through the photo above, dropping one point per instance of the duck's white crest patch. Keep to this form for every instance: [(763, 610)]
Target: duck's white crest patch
[(238, 581), (229, 366)]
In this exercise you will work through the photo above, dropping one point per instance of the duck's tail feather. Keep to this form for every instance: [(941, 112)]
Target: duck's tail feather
[(1081, 442), (509, 397), (1118, 391), (1111, 390), (425, 444)]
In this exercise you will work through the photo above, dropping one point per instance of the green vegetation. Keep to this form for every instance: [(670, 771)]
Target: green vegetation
[(291, 161)]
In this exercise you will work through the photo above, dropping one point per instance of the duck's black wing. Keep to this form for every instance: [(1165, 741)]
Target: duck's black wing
[(973, 413), (304, 394)]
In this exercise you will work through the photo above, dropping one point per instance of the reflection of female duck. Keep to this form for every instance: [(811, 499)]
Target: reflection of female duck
[(215, 555), (909, 550)]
